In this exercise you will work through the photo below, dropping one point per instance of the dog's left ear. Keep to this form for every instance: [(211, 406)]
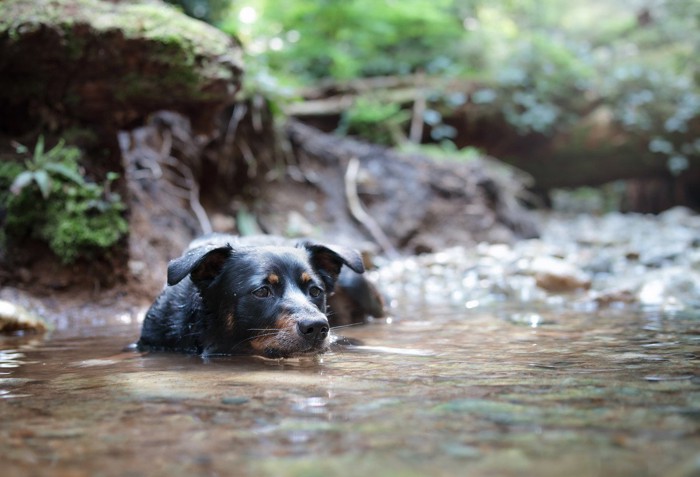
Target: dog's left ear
[(329, 259), (203, 264)]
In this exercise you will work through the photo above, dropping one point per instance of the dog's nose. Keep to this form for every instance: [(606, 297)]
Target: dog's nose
[(313, 328)]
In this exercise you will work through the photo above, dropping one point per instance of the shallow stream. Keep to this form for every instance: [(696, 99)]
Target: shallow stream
[(574, 355), (435, 391)]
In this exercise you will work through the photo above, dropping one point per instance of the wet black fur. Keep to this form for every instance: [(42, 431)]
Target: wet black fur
[(216, 279)]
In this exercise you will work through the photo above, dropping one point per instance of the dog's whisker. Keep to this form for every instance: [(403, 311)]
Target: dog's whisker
[(333, 328), (261, 332), (262, 335), (251, 338)]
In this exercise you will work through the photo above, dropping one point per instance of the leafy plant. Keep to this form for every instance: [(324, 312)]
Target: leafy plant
[(50, 199), (41, 166), (312, 40), (444, 152), (374, 120)]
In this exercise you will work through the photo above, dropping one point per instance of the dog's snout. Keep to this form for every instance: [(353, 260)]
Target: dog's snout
[(313, 328)]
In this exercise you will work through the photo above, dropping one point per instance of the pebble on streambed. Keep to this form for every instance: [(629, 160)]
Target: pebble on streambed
[(556, 275), (14, 318)]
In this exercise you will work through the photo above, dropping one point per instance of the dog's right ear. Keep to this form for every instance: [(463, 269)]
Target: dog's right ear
[(203, 264)]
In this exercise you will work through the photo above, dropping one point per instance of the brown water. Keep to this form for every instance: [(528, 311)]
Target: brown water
[(438, 392)]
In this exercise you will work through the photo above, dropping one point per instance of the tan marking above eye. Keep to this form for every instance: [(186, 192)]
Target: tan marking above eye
[(273, 279), (305, 277)]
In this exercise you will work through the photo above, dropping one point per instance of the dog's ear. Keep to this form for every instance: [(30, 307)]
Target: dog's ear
[(329, 259), (203, 264)]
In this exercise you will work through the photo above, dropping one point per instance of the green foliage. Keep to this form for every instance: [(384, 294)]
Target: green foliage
[(48, 198), (543, 62), (589, 200), (659, 104), (210, 11), (444, 152), (58, 161), (312, 40), (541, 83), (375, 120)]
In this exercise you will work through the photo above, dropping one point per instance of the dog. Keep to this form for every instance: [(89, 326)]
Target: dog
[(264, 295)]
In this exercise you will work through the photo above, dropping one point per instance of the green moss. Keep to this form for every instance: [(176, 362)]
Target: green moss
[(76, 218), (166, 46), (8, 172), (136, 20), (375, 120), (83, 224)]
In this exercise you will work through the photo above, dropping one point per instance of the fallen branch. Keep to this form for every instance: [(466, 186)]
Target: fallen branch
[(191, 184)]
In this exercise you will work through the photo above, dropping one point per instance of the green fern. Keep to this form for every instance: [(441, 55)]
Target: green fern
[(50, 199)]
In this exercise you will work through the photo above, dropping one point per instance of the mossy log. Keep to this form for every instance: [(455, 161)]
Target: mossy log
[(110, 64), (84, 70), (590, 148)]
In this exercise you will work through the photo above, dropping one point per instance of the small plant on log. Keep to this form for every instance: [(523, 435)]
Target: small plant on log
[(49, 198), (376, 121)]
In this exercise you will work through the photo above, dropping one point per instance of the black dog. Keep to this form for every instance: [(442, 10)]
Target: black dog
[(254, 295)]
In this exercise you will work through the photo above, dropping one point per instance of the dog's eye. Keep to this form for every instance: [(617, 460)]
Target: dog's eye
[(262, 292), (315, 291)]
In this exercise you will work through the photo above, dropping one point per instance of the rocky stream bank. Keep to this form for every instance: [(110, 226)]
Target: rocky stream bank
[(581, 262), (584, 263)]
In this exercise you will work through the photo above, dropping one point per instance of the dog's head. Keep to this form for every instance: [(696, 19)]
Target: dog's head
[(268, 300)]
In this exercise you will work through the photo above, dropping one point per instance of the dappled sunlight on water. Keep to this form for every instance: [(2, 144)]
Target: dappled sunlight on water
[(436, 392)]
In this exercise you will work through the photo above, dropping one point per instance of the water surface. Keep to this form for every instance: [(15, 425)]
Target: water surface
[(452, 391)]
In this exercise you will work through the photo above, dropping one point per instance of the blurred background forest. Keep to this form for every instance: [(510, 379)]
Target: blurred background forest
[(132, 126), (615, 82)]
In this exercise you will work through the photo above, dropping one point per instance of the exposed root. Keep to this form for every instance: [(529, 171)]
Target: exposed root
[(359, 212), (150, 163)]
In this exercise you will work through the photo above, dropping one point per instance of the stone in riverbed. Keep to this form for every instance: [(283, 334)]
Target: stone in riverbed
[(15, 318), (556, 275)]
